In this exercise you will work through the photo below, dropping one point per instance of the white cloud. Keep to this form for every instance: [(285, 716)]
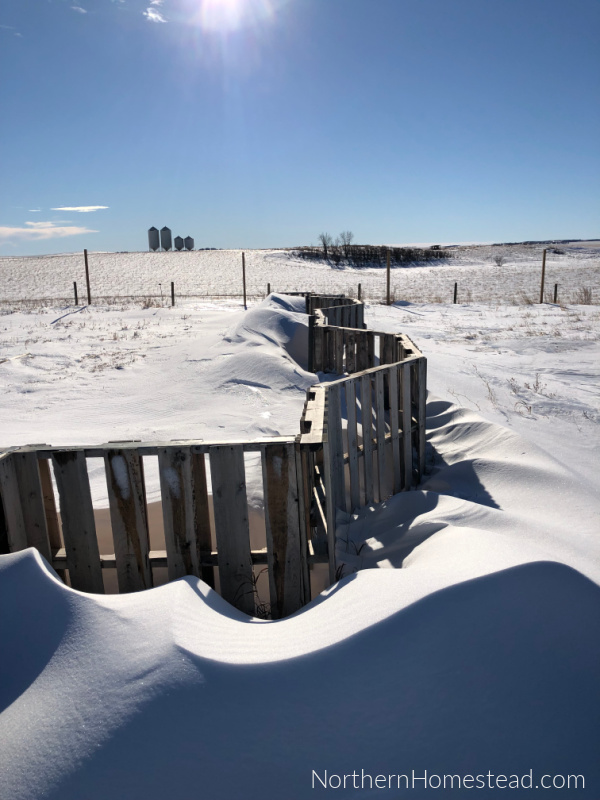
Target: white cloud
[(151, 13), (79, 9), (33, 210), (81, 209), (37, 231)]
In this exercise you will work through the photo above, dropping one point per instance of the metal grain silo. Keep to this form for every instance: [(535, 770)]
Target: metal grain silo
[(153, 238), (165, 238), (189, 243), (178, 243)]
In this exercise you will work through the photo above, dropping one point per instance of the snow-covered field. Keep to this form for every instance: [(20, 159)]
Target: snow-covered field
[(575, 267), (468, 641)]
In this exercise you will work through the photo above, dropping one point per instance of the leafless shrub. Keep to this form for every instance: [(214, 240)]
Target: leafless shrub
[(584, 296), (150, 302)]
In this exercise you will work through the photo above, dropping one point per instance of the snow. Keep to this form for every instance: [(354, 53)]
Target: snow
[(468, 639), (213, 273)]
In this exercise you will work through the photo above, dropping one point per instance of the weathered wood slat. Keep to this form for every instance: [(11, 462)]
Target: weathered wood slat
[(78, 525), (387, 353), (203, 538), (422, 413), (52, 519), (406, 426), (318, 337), (304, 472), (380, 427), (362, 355), (350, 352), (367, 432), (175, 470), (330, 333), (32, 501), (335, 438), (339, 351), (129, 519), (11, 502), (371, 349), (352, 446), (282, 523), (394, 428), (231, 526)]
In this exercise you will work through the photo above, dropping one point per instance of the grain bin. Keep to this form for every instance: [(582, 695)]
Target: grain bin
[(153, 239), (189, 243), (165, 238), (178, 241)]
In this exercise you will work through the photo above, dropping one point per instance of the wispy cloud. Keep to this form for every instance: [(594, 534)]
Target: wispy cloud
[(79, 9), (81, 209), (33, 210), (37, 231), (152, 13), (11, 29)]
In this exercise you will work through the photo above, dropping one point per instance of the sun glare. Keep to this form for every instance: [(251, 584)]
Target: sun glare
[(231, 15)]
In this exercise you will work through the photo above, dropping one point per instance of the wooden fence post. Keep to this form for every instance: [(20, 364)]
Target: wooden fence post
[(75, 292), (359, 292), (268, 289), (87, 278), (172, 293), (455, 291), (543, 276), (555, 292)]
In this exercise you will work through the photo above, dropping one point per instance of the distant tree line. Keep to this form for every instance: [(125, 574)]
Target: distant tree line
[(342, 251)]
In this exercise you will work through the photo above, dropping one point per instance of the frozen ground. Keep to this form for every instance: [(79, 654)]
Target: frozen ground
[(575, 267), (471, 645)]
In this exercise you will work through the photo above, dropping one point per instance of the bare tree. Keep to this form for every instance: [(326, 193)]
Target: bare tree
[(346, 238), (326, 241), (499, 260)]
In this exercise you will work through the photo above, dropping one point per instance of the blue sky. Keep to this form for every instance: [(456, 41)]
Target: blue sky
[(261, 123)]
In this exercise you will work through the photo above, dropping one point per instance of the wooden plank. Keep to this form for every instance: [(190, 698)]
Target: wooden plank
[(406, 426), (339, 351), (129, 519), (371, 349), (52, 520), (336, 442), (380, 427), (203, 536), (311, 344), (337, 316), (11, 501), (32, 501), (330, 510), (367, 432), (387, 348), (421, 413), (282, 525), (318, 336), (175, 470), (78, 525), (350, 337), (330, 349), (362, 355), (231, 526), (394, 428), (305, 479), (360, 321), (352, 446)]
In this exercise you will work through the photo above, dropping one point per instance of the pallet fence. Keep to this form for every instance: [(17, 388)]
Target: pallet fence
[(362, 439)]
